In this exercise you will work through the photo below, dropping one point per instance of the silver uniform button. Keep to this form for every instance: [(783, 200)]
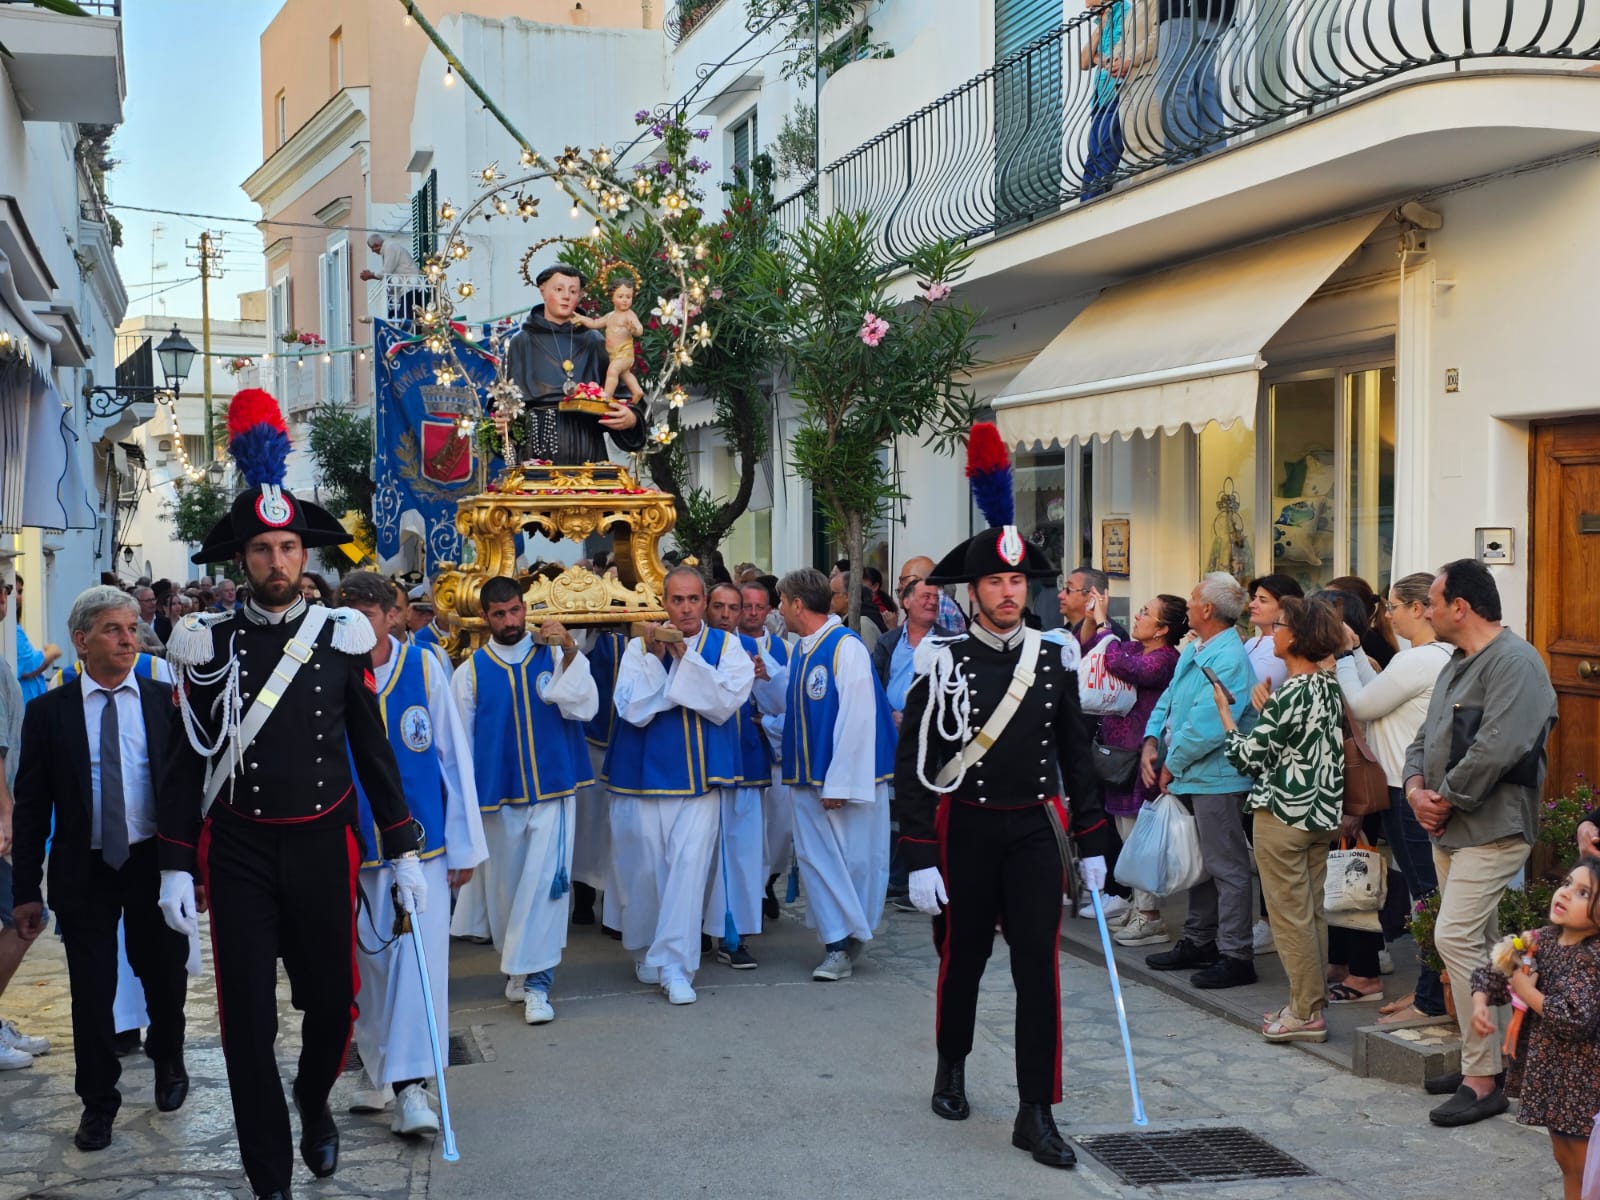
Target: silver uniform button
[(317, 688), (316, 666), (254, 767), (244, 695), (983, 799), (1041, 795), (319, 807), (319, 758), (256, 788), (319, 737), (319, 783), (318, 713), (257, 811)]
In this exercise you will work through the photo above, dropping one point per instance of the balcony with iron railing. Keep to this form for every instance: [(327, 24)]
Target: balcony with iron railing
[(686, 15), (1079, 113)]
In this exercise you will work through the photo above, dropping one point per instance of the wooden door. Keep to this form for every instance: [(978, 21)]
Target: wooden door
[(1564, 583)]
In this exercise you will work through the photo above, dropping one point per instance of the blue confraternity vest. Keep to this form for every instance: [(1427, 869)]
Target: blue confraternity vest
[(814, 711), (755, 759), (523, 750), (679, 753), (411, 734)]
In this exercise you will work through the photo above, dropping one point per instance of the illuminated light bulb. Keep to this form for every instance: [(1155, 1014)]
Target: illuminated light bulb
[(327, 358), (573, 213), (464, 288), (362, 354), (447, 211), (529, 158), (299, 362), (595, 232), (449, 75)]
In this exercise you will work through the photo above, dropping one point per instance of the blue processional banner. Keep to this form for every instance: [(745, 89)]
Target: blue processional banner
[(421, 466)]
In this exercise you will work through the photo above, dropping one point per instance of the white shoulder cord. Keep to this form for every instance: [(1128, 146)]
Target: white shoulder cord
[(228, 704), (949, 704)]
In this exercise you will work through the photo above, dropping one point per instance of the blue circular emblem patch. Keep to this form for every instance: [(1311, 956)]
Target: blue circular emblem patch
[(543, 682), (817, 683), (416, 728)]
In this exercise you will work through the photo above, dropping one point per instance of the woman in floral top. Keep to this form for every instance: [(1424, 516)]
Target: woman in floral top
[(1295, 753)]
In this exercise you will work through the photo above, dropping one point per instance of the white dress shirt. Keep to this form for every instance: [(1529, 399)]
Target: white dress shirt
[(138, 801)]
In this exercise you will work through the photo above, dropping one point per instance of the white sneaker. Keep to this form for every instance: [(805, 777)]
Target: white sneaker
[(13, 1060), (678, 991), (514, 989), (1261, 939), (1385, 967), (413, 1115), (1141, 931), (833, 968), (369, 1098), (536, 1008), (646, 974), (13, 1037), (1115, 908)]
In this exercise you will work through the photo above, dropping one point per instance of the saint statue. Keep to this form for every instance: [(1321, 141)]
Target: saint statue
[(548, 358)]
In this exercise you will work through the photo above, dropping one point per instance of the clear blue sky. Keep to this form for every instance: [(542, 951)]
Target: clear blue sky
[(191, 134)]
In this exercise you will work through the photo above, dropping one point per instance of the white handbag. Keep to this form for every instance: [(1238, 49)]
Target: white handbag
[(1358, 881), (1100, 693)]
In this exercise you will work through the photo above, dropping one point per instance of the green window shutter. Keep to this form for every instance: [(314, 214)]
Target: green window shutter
[(1018, 22)]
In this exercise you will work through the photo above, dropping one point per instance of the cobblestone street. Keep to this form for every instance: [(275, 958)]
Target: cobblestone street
[(770, 1085)]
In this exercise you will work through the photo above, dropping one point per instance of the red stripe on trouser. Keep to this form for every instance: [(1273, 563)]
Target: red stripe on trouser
[(941, 827), (1055, 952), (204, 855), (353, 865)]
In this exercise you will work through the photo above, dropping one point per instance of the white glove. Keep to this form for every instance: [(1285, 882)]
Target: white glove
[(413, 888), (1093, 873), (927, 890), (177, 902)]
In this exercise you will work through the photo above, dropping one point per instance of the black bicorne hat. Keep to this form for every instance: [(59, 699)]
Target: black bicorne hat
[(259, 443)]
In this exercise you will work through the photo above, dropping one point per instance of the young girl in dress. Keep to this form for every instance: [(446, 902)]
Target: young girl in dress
[(1559, 1060)]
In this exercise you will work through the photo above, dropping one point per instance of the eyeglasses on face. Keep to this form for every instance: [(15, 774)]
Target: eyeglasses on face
[(1281, 625), (1072, 591)]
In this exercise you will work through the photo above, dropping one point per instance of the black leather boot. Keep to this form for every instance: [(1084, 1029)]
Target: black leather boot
[(950, 1089), (1035, 1131), (319, 1140)]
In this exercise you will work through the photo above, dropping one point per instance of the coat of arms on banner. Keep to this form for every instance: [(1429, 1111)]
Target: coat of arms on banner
[(446, 456)]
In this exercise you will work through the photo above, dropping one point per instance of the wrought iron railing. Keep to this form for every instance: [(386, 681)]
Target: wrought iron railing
[(682, 19), (792, 212), (1112, 94)]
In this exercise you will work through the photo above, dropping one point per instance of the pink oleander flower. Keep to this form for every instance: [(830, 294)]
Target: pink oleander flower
[(873, 329), (935, 291)]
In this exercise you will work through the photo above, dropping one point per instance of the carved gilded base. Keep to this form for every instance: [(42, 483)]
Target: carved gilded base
[(558, 503)]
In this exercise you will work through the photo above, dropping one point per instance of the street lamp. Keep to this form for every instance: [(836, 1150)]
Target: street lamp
[(176, 353)]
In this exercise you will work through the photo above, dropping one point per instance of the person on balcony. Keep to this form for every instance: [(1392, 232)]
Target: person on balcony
[(1105, 124), (1188, 34), (397, 261), (548, 358)]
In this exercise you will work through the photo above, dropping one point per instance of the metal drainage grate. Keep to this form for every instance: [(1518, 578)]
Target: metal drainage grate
[(465, 1049), (1192, 1156)]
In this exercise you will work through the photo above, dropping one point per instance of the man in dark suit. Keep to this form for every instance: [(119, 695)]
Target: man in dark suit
[(88, 749)]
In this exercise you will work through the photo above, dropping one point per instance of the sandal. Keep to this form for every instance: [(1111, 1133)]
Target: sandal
[(1342, 993), (1409, 1000), (1285, 1028)]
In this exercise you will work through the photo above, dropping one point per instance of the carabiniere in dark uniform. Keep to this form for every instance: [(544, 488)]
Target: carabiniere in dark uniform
[(998, 837), (278, 851)]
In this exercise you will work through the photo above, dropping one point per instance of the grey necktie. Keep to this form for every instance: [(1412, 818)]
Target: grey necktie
[(113, 812)]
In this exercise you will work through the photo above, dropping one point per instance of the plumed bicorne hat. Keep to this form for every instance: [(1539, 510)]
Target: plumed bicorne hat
[(1000, 549), (259, 442)]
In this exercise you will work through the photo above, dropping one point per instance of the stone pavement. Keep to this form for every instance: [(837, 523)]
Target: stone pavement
[(773, 1086)]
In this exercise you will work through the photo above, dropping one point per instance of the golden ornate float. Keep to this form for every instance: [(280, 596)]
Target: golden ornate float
[(558, 503)]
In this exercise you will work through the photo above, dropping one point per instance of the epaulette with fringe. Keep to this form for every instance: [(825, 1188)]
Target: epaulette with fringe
[(352, 632), (191, 643)]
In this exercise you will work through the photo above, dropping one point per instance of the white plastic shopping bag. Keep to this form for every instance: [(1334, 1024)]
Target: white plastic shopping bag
[(1162, 853)]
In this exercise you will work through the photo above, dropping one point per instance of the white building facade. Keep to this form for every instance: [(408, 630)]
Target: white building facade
[(61, 298)]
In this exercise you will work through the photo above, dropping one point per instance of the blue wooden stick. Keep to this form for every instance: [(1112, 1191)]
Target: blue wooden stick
[(1122, 1014), (451, 1154)]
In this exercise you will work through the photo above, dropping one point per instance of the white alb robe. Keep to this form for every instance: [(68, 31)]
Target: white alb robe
[(844, 852), (662, 846), (527, 842), (391, 1025)]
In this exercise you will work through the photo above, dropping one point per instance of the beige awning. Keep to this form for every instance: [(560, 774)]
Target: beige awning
[(1182, 347)]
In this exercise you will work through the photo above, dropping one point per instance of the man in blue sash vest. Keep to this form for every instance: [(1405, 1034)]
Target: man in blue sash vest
[(838, 758), (756, 602), (733, 899), (673, 752), (591, 844), (435, 762), (424, 625), (524, 703)]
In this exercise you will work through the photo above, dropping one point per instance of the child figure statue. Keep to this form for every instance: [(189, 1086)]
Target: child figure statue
[(620, 325)]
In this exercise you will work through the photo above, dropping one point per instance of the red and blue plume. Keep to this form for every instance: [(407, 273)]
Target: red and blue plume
[(989, 473), (257, 437)]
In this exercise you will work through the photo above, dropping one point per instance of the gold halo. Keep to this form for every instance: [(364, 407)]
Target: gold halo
[(538, 246), (602, 277)]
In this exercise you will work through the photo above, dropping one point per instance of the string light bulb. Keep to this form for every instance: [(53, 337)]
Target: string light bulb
[(573, 212), (447, 211), (465, 288), (327, 358), (449, 75)]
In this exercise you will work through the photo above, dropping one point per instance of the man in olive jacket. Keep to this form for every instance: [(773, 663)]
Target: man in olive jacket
[(1473, 776)]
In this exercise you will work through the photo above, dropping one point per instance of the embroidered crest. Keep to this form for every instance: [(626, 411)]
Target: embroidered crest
[(416, 728), (817, 682), (1010, 546), (273, 507), (541, 683)]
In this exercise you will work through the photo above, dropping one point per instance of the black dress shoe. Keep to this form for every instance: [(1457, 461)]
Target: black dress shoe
[(1182, 955), (1466, 1107), (582, 904), (769, 902), (950, 1090), (94, 1131), (319, 1141), (172, 1084), (1225, 973), (1035, 1131), (127, 1042)]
